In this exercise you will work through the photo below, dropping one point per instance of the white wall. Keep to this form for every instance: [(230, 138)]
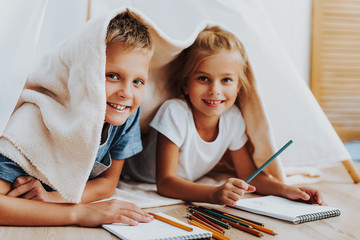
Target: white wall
[(292, 22)]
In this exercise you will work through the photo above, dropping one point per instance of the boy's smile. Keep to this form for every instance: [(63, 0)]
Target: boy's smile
[(126, 76)]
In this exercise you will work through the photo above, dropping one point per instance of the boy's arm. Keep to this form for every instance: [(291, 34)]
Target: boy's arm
[(24, 212), (170, 185), (98, 188), (104, 185)]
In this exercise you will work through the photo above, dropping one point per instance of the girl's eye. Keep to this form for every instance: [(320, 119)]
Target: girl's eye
[(227, 80), (138, 82), (203, 79), (113, 76)]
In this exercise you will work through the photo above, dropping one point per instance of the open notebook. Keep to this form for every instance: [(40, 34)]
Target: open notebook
[(156, 230), (285, 209)]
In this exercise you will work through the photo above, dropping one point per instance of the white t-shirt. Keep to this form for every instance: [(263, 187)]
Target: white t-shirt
[(197, 157)]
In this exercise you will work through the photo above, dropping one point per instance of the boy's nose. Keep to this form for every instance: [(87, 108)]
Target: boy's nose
[(125, 90)]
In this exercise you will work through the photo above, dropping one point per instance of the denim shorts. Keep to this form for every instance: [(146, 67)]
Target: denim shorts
[(10, 171)]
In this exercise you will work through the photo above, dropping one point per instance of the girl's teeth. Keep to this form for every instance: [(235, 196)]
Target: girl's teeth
[(213, 102)]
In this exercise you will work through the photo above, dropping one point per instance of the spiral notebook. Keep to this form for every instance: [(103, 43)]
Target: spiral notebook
[(285, 209), (156, 230)]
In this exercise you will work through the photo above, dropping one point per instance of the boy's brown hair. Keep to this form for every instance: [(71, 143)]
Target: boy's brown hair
[(128, 29)]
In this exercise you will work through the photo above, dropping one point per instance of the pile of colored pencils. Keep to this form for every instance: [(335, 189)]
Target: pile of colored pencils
[(218, 221)]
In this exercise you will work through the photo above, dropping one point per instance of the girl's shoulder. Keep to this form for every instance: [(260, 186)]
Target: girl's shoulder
[(234, 111), (175, 106), (176, 103), (233, 115)]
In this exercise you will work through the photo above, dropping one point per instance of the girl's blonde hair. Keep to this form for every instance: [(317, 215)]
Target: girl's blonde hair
[(210, 41), (128, 29)]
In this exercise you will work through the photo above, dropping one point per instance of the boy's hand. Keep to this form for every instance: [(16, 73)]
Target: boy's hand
[(306, 194), (107, 212), (231, 191), (29, 188)]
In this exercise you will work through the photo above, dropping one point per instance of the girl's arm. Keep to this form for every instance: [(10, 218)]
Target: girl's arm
[(98, 188), (170, 185), (24, 212), (244, 166)]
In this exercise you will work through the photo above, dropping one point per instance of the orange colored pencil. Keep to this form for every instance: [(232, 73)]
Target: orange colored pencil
[(261, 228), (215, 234), (192, 217), (171, 222), (208, 221), (242, 228)]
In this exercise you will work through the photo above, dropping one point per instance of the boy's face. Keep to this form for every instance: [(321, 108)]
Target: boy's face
[(126, 76)]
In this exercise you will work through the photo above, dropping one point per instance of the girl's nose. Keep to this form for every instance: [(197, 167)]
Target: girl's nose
[(215, 88)]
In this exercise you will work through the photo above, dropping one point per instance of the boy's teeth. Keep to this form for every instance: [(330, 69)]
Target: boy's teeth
[(118, 107)]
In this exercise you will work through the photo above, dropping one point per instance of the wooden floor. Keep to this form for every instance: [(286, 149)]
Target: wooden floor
[(337, 187)]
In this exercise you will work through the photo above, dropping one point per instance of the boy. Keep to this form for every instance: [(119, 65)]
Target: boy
[(128, 54)]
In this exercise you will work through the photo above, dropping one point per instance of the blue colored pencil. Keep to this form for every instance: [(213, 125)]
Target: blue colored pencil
[(268, 161)]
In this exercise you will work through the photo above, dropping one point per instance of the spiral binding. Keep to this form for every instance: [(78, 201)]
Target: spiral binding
[(317, 216)]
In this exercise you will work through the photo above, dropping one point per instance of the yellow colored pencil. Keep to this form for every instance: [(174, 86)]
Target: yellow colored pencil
[(171, 222), (215, 234)]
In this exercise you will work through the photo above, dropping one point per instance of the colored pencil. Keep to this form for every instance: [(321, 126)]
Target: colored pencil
[(212, 219), (268, 161), (171, 222), (193, 217), (239, 218), (258, 227), (245, 229), (221, 216), (215, 234), (208, 221)]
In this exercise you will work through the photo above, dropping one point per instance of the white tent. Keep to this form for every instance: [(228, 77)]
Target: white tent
[(292, 110)]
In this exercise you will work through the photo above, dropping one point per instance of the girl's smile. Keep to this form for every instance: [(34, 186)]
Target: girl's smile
[(214, 86)]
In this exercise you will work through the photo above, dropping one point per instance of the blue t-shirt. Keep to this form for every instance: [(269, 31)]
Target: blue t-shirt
[(122, 142)]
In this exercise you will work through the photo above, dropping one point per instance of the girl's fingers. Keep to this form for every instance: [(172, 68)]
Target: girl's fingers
[(242, 184)]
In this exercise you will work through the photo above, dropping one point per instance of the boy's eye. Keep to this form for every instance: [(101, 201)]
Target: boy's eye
[(113, 76), (139, 82)]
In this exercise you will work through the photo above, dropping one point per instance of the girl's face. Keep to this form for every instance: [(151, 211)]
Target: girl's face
[(214, 86), (126, 75)]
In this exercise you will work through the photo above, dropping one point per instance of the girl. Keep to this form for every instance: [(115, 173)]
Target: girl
[(193, 133)]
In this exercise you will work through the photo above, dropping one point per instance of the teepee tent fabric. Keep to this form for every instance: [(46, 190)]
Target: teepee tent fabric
[(291, 110), (20, 25), (282, 108)]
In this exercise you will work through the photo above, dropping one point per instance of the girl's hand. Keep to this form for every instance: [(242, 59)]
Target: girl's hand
[(305, 194), (107, 212), (231, 191)]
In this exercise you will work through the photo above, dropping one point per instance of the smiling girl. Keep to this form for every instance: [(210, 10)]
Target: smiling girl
[(194, 132)]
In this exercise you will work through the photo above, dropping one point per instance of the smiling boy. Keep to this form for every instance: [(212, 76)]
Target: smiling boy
[(128, 55)]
